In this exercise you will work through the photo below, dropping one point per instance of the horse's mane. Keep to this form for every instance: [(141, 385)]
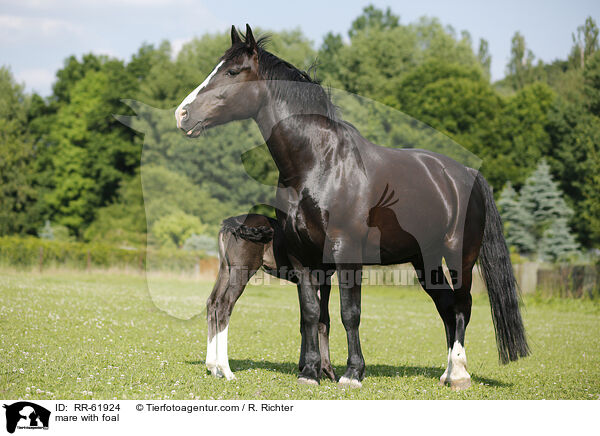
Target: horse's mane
[(279, 73)]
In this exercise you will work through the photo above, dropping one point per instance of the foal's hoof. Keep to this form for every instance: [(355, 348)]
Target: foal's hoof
[(228, 375), (459, 385), (307, 381), (212, 369), (349, 382), (328, 372)]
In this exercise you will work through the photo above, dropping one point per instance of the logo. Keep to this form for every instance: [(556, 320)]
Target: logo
[(26, 415)]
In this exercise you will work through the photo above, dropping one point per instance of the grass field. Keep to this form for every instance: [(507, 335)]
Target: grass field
[(99, 336)]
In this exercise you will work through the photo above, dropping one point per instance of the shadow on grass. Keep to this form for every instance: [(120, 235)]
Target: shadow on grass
[(433, 372), (390, 371)]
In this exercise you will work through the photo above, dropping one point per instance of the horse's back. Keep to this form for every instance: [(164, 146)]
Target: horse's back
[(427, 205)]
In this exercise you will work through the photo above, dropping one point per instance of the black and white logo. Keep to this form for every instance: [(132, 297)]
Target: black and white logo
[(26, 415)]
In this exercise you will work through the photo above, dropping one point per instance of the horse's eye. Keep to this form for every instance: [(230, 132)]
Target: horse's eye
[(232, 73)]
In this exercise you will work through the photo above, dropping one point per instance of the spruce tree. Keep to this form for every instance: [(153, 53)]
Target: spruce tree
[(542, 197), (557, 243), (543, 200), (518, 221)]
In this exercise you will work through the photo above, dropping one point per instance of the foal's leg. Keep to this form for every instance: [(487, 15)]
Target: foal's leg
[(238, 278), (220, 287), (301, 362), (240, 259), (324, 323)]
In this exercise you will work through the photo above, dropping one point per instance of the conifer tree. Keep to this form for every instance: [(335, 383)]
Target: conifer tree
[(543, 200), (557, 243), (542, 197), (518, 221)]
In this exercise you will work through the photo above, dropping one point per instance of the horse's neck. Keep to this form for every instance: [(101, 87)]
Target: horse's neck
[(286, 138)]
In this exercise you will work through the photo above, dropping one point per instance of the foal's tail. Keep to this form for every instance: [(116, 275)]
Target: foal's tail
[(236, 226), (500, 281)]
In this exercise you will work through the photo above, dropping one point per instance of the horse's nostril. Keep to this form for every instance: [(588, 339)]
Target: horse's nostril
[(183, 113)]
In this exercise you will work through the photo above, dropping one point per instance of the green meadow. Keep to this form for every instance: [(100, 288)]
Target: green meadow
[(78, 335)]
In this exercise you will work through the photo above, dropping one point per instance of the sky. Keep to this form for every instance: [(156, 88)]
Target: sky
[(37, 35)]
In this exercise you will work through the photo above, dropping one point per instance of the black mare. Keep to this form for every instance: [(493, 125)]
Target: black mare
[(344, 201), (247, 243)]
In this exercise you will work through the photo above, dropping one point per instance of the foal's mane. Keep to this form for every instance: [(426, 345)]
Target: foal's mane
[(280, 72)]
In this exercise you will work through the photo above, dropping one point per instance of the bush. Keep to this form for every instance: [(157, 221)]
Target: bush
[(31, 252), (205, 243)]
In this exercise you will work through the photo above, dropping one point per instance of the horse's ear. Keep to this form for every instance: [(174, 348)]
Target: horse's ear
[(235, 36), (250, 37)]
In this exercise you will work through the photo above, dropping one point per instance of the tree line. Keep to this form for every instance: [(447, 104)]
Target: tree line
[(68, 167)]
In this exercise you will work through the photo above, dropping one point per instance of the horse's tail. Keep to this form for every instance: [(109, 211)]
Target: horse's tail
[(500, 281), (235, 225)]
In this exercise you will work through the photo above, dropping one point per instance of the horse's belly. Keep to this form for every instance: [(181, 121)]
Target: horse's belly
[(389, 247)]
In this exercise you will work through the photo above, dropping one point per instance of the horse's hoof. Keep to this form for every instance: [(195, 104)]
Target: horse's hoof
[(349, 382), (307, 381), (459, 385)]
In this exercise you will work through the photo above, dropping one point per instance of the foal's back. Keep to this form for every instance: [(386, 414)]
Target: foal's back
[(257, 241)]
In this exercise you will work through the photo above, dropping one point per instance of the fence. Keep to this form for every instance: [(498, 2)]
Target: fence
[(575, 281)]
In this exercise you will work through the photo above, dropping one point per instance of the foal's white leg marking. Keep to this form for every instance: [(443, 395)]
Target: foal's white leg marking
[(457, 365), (307, 381), (192, 95), (222, 359), (211, 355)]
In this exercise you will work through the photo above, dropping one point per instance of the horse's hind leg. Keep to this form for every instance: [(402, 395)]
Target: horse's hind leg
[(324, 323), (435, 283), (457, 376)]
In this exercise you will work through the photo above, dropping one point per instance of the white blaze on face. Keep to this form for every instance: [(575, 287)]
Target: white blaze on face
[(192, 96)]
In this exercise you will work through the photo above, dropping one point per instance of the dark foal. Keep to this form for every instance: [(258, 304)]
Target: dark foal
[(247, 243)]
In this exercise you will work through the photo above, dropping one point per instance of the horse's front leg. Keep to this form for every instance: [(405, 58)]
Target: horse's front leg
[(349, 277), (310, 359), (324, 323)]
